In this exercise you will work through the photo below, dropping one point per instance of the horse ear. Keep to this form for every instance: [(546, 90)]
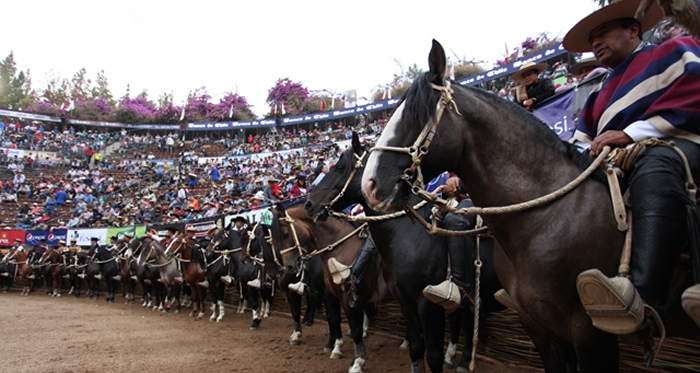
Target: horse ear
[(356, 145), (438, 63)]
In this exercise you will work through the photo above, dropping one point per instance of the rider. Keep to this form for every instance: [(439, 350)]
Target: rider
[(240, 226), (650, 93), (460, 249), (190, 231), (352, 275)]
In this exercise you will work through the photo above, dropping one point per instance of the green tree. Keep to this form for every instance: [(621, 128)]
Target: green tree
[(80, 86), (15, 86), (101, 89)]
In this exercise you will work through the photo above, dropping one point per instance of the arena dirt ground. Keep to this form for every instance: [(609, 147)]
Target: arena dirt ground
[(45, 334)]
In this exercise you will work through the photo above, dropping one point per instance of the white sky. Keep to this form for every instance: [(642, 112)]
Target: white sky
[(178, 46)]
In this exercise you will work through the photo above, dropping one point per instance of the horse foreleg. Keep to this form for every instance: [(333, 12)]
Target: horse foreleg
[(432, 317), (356, 318), (294, 300)]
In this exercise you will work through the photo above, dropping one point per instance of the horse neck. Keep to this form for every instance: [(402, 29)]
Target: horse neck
[(506, 161)]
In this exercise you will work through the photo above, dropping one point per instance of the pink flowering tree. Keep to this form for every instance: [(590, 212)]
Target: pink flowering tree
[(296, 98), (231, 107), (95, 109), (137, 110)]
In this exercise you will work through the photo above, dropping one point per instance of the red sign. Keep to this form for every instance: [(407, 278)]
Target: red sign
[(7, 236)]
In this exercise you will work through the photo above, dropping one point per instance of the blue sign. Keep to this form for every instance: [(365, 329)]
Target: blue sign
[(558, 114), (217, 126), (340, 113), (511, 68), (34, 237)]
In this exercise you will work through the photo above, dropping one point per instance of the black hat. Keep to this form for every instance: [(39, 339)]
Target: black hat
[(241, 219), (94, 239)]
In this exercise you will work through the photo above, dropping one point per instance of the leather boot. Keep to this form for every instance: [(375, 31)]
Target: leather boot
[(367, 255), (658, 234), (460, 249)]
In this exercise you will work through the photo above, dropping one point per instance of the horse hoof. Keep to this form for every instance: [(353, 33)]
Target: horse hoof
[(336, 355), (201, 315), (404, 345), (308, 323), (177, 312)]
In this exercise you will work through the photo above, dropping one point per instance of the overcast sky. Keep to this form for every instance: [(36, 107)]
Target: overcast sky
[(178, 46)]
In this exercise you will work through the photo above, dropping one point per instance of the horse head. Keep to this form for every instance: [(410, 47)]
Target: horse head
[(177, 245), (291, 236), (147, 254), (341, 185), (395, 162)]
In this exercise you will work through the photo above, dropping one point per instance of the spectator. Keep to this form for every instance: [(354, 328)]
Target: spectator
[(534, 90)]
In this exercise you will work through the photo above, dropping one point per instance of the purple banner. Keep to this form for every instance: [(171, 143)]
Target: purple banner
[(558, 114)]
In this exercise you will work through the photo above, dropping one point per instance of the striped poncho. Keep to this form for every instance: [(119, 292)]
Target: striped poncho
[(659, 84)]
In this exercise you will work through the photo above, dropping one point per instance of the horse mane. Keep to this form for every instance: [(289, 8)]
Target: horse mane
[(421, 104)]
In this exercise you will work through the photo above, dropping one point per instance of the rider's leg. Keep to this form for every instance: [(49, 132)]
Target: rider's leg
[(460, 250), (658, 200), (341, 272)]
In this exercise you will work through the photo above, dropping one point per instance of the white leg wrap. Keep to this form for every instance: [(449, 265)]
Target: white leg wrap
[(295, 338), (404, 345), (450, 353), (221, 311), (336, 353), (365, 326), (266, 308), (357, 365), (255, 315)]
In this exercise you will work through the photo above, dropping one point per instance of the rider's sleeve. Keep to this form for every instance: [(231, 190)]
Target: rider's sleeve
[(643, 130)]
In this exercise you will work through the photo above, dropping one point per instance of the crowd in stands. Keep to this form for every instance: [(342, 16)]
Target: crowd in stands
[(127, 188)]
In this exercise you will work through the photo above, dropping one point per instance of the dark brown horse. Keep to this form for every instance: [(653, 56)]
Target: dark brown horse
[(56, 264), (506, 156), (24, 270), (295, 233)]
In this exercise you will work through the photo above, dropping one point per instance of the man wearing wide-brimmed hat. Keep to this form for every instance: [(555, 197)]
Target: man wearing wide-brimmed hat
[(651, 92), (587, 68), (535, 89)]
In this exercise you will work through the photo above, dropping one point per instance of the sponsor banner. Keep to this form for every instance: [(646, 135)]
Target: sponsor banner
[(95, 123), (201, 225), (341, 113), (558, 114), (137, 231), (217, 126), (13, 152), (511, 68), (34, 237), (254, 216), (19, 114), (7, 236), (84, 235)]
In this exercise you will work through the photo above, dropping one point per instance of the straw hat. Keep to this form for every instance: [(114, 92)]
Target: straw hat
[(259, 196), (588, 62), (191, 228), (539, 67), (576, 40)]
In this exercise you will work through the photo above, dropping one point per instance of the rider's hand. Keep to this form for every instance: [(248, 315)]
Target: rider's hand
[(451, 186), (614, 138)]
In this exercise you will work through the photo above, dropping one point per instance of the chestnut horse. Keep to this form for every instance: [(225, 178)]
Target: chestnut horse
[(56, 264), (24, 270), (192, 263)]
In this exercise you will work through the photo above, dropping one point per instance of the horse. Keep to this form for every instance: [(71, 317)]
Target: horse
[(153, 256), (248, 271), (148, 277), (505, 156), (296, 236), (24, 270), (93, 274), (341, 188), (77, 271), (218, 260), (286, 273), (55, 265), (230, 241), (7, 274), (109, 269), (192, 266), (125, 261)]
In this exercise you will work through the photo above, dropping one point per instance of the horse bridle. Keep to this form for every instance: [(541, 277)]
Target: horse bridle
[(358, 165), (413, 175)]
